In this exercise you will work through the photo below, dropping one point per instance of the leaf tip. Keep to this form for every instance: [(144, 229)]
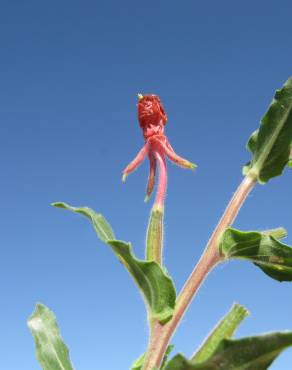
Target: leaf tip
[(277, 233), (240, 309), (147, 197), (59, 205), (34, 321)]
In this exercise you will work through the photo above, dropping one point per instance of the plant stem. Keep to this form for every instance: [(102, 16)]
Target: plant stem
[(161, 334)]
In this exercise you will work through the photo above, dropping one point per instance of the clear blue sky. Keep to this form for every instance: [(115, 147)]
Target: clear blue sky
[(70, 72)]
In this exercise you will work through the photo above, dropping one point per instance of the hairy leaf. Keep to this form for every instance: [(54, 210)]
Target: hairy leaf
[(269, 254), (156, 286), (51, 351), (250, 353), (271, 143), (224, 330), (100, 224)]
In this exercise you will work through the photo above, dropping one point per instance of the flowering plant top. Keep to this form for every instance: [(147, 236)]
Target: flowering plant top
[(152, 119)]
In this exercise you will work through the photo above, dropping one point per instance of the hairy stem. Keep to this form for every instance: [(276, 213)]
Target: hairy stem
[(161, 334)]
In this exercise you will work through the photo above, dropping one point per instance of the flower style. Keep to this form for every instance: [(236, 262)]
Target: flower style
[(152, 119)]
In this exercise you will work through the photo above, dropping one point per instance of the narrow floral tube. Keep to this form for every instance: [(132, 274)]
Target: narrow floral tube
[(161, 188)]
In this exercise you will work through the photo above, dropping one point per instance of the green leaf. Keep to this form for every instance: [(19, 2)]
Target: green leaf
[(100, 224), (224, 330), (155, 285), (269, 254), (166, 355), (137, 365), (250, 353), (290, 159), (271, 143), (51, 351)]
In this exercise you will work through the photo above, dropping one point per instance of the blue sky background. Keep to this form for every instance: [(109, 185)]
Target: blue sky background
[(70, 72)]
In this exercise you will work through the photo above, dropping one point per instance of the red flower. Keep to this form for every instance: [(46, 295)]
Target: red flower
[(152, 119)]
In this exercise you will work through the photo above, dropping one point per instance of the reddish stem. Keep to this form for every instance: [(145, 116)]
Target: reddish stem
[(161, 334)]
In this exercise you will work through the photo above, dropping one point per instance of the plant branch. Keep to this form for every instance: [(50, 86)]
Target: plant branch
[(161, 334)]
